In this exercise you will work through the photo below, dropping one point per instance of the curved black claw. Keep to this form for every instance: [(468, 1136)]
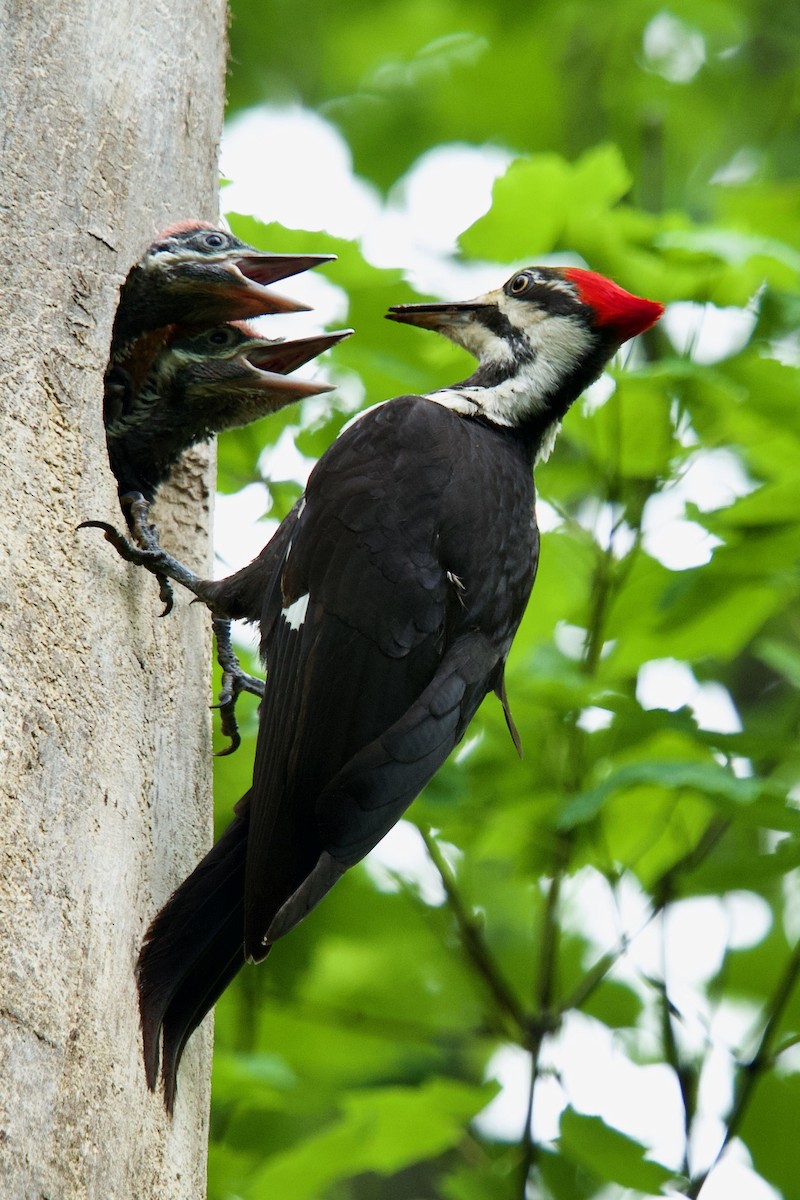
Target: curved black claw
[(234, 682), (152, 557)]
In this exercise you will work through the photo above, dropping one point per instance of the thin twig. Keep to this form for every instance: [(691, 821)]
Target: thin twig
[(672, 1054), (546, 1017), (750, 1073), (663, 887), (475, 945)]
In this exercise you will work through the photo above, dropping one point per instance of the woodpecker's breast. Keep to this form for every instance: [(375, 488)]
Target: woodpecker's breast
[(418, 524), (489, 538)]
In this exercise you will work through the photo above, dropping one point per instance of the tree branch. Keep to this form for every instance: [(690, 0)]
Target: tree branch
[(476, 948), (750, 1073), (672, 1055), (546, 1017)]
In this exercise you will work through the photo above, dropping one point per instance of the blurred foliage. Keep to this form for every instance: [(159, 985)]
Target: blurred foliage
[(660, 145)]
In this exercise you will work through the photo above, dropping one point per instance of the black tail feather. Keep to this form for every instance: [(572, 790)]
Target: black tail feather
[(196, 996), (191, 952)]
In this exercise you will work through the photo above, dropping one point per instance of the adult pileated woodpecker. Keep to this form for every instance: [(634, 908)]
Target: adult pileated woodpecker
[(388, 600)]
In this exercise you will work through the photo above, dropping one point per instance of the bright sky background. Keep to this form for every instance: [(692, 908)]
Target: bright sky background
[(416, 230)]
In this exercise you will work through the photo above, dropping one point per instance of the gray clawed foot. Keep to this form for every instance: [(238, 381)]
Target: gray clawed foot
[(146, 535), (234, 682), (151, 556)]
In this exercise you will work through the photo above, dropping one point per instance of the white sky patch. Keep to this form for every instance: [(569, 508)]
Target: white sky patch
[(599, 1079), (546, 516), (667, 536), (603, 521), (292, 166), (570, 640), (711, 479), (594, 718), (284, 460), (714, 479), (239, 531), (443, 193), (734, 1179), (329, 306), (693, 960), (673, 49), (670, 684), (714, 709), (707, 333), (402, 853), (504, 1117), (598, 393), (606, 915), (678, 545), (749, 917)]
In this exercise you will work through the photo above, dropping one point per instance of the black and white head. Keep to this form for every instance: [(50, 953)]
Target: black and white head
[(540, 340), (229, 375), (194, 274)]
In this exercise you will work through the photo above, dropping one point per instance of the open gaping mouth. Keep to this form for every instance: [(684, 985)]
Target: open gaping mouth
[(265, 365)]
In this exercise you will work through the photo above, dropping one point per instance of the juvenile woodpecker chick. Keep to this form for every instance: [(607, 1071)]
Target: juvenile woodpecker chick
[(200, 384), (195, 276)]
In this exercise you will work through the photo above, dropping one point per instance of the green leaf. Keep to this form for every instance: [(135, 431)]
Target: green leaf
[(631, 435), (284, 494), (608, 1154), (531, 196), (769, 1130), (540, 195), (380, 1130), (566, 1179), (706, 778)]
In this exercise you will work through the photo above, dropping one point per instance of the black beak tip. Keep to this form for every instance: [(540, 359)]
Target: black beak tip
[(409, 314)]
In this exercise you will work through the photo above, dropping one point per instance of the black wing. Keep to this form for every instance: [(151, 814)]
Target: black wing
[(407, 573)]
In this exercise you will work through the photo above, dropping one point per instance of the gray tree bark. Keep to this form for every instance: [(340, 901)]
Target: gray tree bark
[(113, 116)]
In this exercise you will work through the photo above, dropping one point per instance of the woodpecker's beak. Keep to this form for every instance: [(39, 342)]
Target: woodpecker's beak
[(282, 357), (255, 299), (440, 317), (254, 271), (269, 268), (259, 368), (281, 390)]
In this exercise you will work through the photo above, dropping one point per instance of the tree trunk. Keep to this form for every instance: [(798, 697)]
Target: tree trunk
[(114, 112)]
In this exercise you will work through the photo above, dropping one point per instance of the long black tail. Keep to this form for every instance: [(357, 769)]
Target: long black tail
[(191, 952)]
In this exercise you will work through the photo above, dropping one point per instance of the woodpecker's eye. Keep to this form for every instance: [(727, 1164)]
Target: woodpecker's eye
[(221, 337), (520, 283), (215, 241)]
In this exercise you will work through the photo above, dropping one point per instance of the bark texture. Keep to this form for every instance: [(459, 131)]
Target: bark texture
[(113, 116)]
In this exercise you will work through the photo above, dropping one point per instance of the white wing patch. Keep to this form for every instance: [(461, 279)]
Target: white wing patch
[(295, 614)]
